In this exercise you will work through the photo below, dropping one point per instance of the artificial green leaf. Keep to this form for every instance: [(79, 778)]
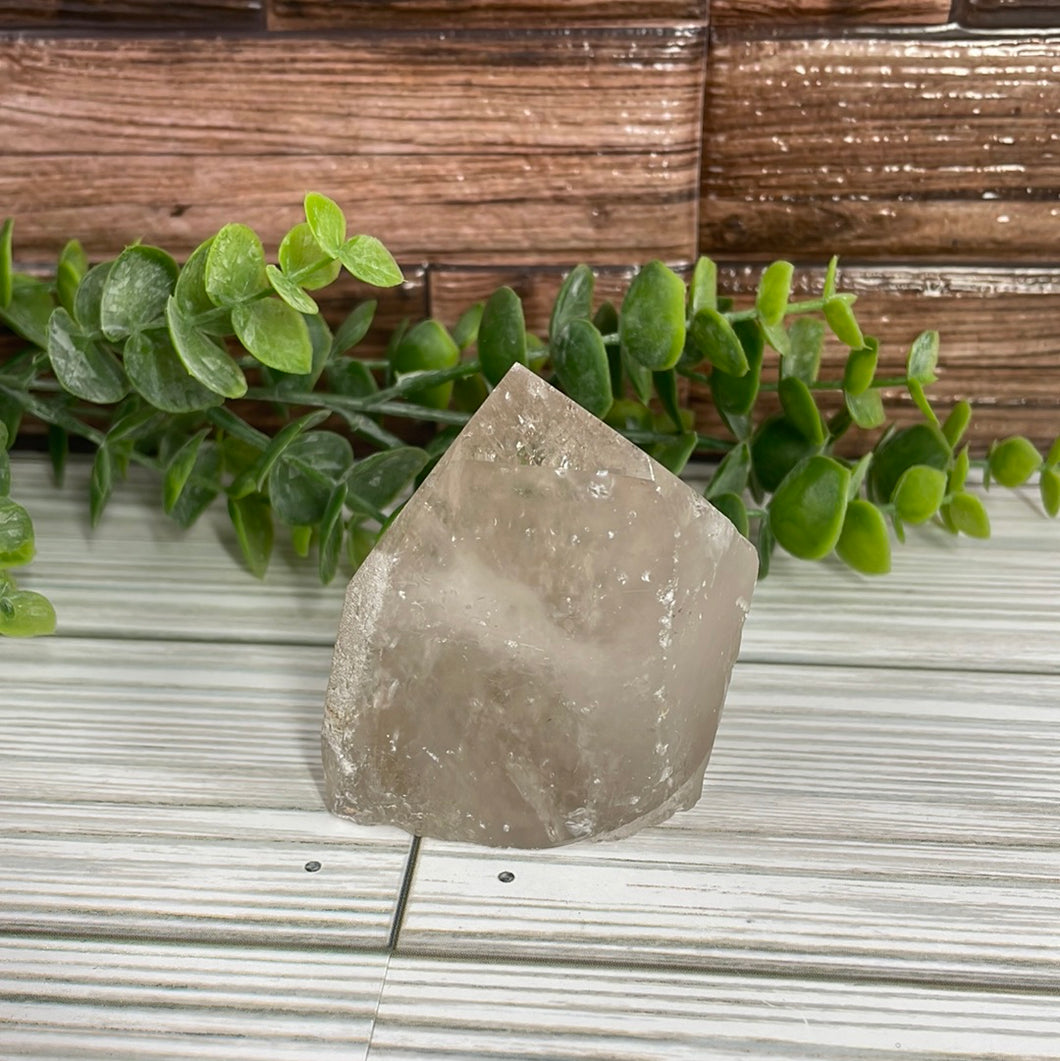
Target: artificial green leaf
[(1052, 458), (101, 483), (580, 360), (69, 272), (501, 334), (666, 388), (133, 419), (765, 544), (253, 476), (24, 613), (1049, 487), (304, 261), (626, 414), (320, 341), (424, 348), (7, 269), (82, 366), (275, 334), (860, 368), (917, 444), (368, 260), (179, 469), (865, 409), (923, 357), (777, 337), (731, 506), (916, 392), (640, 378), (5, 463), (332, 530), (918, 493), (774, 290), (857, 475), (202, 357), (969, 516), (956, 423), (1012, 461), (136, 291), (202, 485), (327, 222), (801, 410), (16, 534), (252, 521), (29, 310), (378, 479), (829, 277), (301, 540), (304, 475), (289, 291), (158, 375), (840, 317), (651, 327), (58, 451), (469, 393), (351, 378), (703, 290), (805, 343), (235, 266), (190, 289), (354, 328), (959, 472), (465, 331), (863, 543), (573, 301), (359, 543), (806, 512), (674, 453), (736, 394), (88, 300), (777, 447), (715, 339)]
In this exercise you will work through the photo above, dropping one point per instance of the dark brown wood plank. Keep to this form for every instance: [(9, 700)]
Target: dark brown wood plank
[(757, 16), (882, 148), (1007, 14), (467, 147), (217, 15), (455, 14)]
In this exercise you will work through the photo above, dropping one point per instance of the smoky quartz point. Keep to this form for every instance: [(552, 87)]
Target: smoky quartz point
[(537, 650)]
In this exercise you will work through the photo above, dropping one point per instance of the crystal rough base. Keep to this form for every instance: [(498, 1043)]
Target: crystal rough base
[(538, 649)]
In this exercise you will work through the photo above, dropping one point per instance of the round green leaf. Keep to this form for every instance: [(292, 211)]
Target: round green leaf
[(179, 469), (652, 323), (968, 515), (863, 543), (202, 357), (305, 474), (83, 367), (574, 299), (713, 338), (1052, 458), (29, 310), (26, 614), (703, 290), (190, 289), (778, 445), (235, 266), (136, 290), (923, 357), (674, 453), (626, 414), (1049, 486), (465, 331), (275, 334), (304, 261), (158, 375), (332, 529), (289, 291), (774, 289), (800, 408), (731, 506), (736, 395), (806, 341), (368, 260), (16, 535), (580, 360), (1014, 460), (860, 368), (501, 334), (70, 270), (918, 493), (841, 319), (379, 478), (806, 512), (327, 222), (954, 426), (959, 472), (865, 409), (918, 444), (252, 521), (202, 485), (424, 348), (354, 328)]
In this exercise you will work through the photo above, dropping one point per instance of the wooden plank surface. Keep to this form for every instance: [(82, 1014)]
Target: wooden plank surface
[(562, 145), (435, 1008), (129, 1000), (1007, 14), (145, 15), (881, 147), (763, 17)]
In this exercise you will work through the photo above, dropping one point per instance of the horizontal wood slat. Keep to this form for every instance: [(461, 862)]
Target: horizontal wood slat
[(753, 17), (444, 1008), (880, 148), (401, 14), (1007, 14), (568, 145), (147, 15)]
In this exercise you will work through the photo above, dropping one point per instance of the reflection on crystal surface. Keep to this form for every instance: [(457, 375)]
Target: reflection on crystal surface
[(538, 650)]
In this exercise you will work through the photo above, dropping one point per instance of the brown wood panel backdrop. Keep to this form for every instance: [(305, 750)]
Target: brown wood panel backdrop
[(490, 142)]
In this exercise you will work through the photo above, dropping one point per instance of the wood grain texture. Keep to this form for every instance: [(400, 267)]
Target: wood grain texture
[(754, 17), (872, 837), (445, 1008), (147, 15), (461, 14), (557, 146), (883, 148), (133, 999), (1007, 14)]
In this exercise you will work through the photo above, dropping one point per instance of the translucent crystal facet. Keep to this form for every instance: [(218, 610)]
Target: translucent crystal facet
[(538, 649)]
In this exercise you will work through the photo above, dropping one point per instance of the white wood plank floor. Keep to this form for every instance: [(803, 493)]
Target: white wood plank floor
[(874, 870)]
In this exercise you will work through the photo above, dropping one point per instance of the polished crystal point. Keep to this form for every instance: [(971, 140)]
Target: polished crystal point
[(537, 650)]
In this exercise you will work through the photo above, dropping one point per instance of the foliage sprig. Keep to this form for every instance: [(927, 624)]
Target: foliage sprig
[(157, 364)]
